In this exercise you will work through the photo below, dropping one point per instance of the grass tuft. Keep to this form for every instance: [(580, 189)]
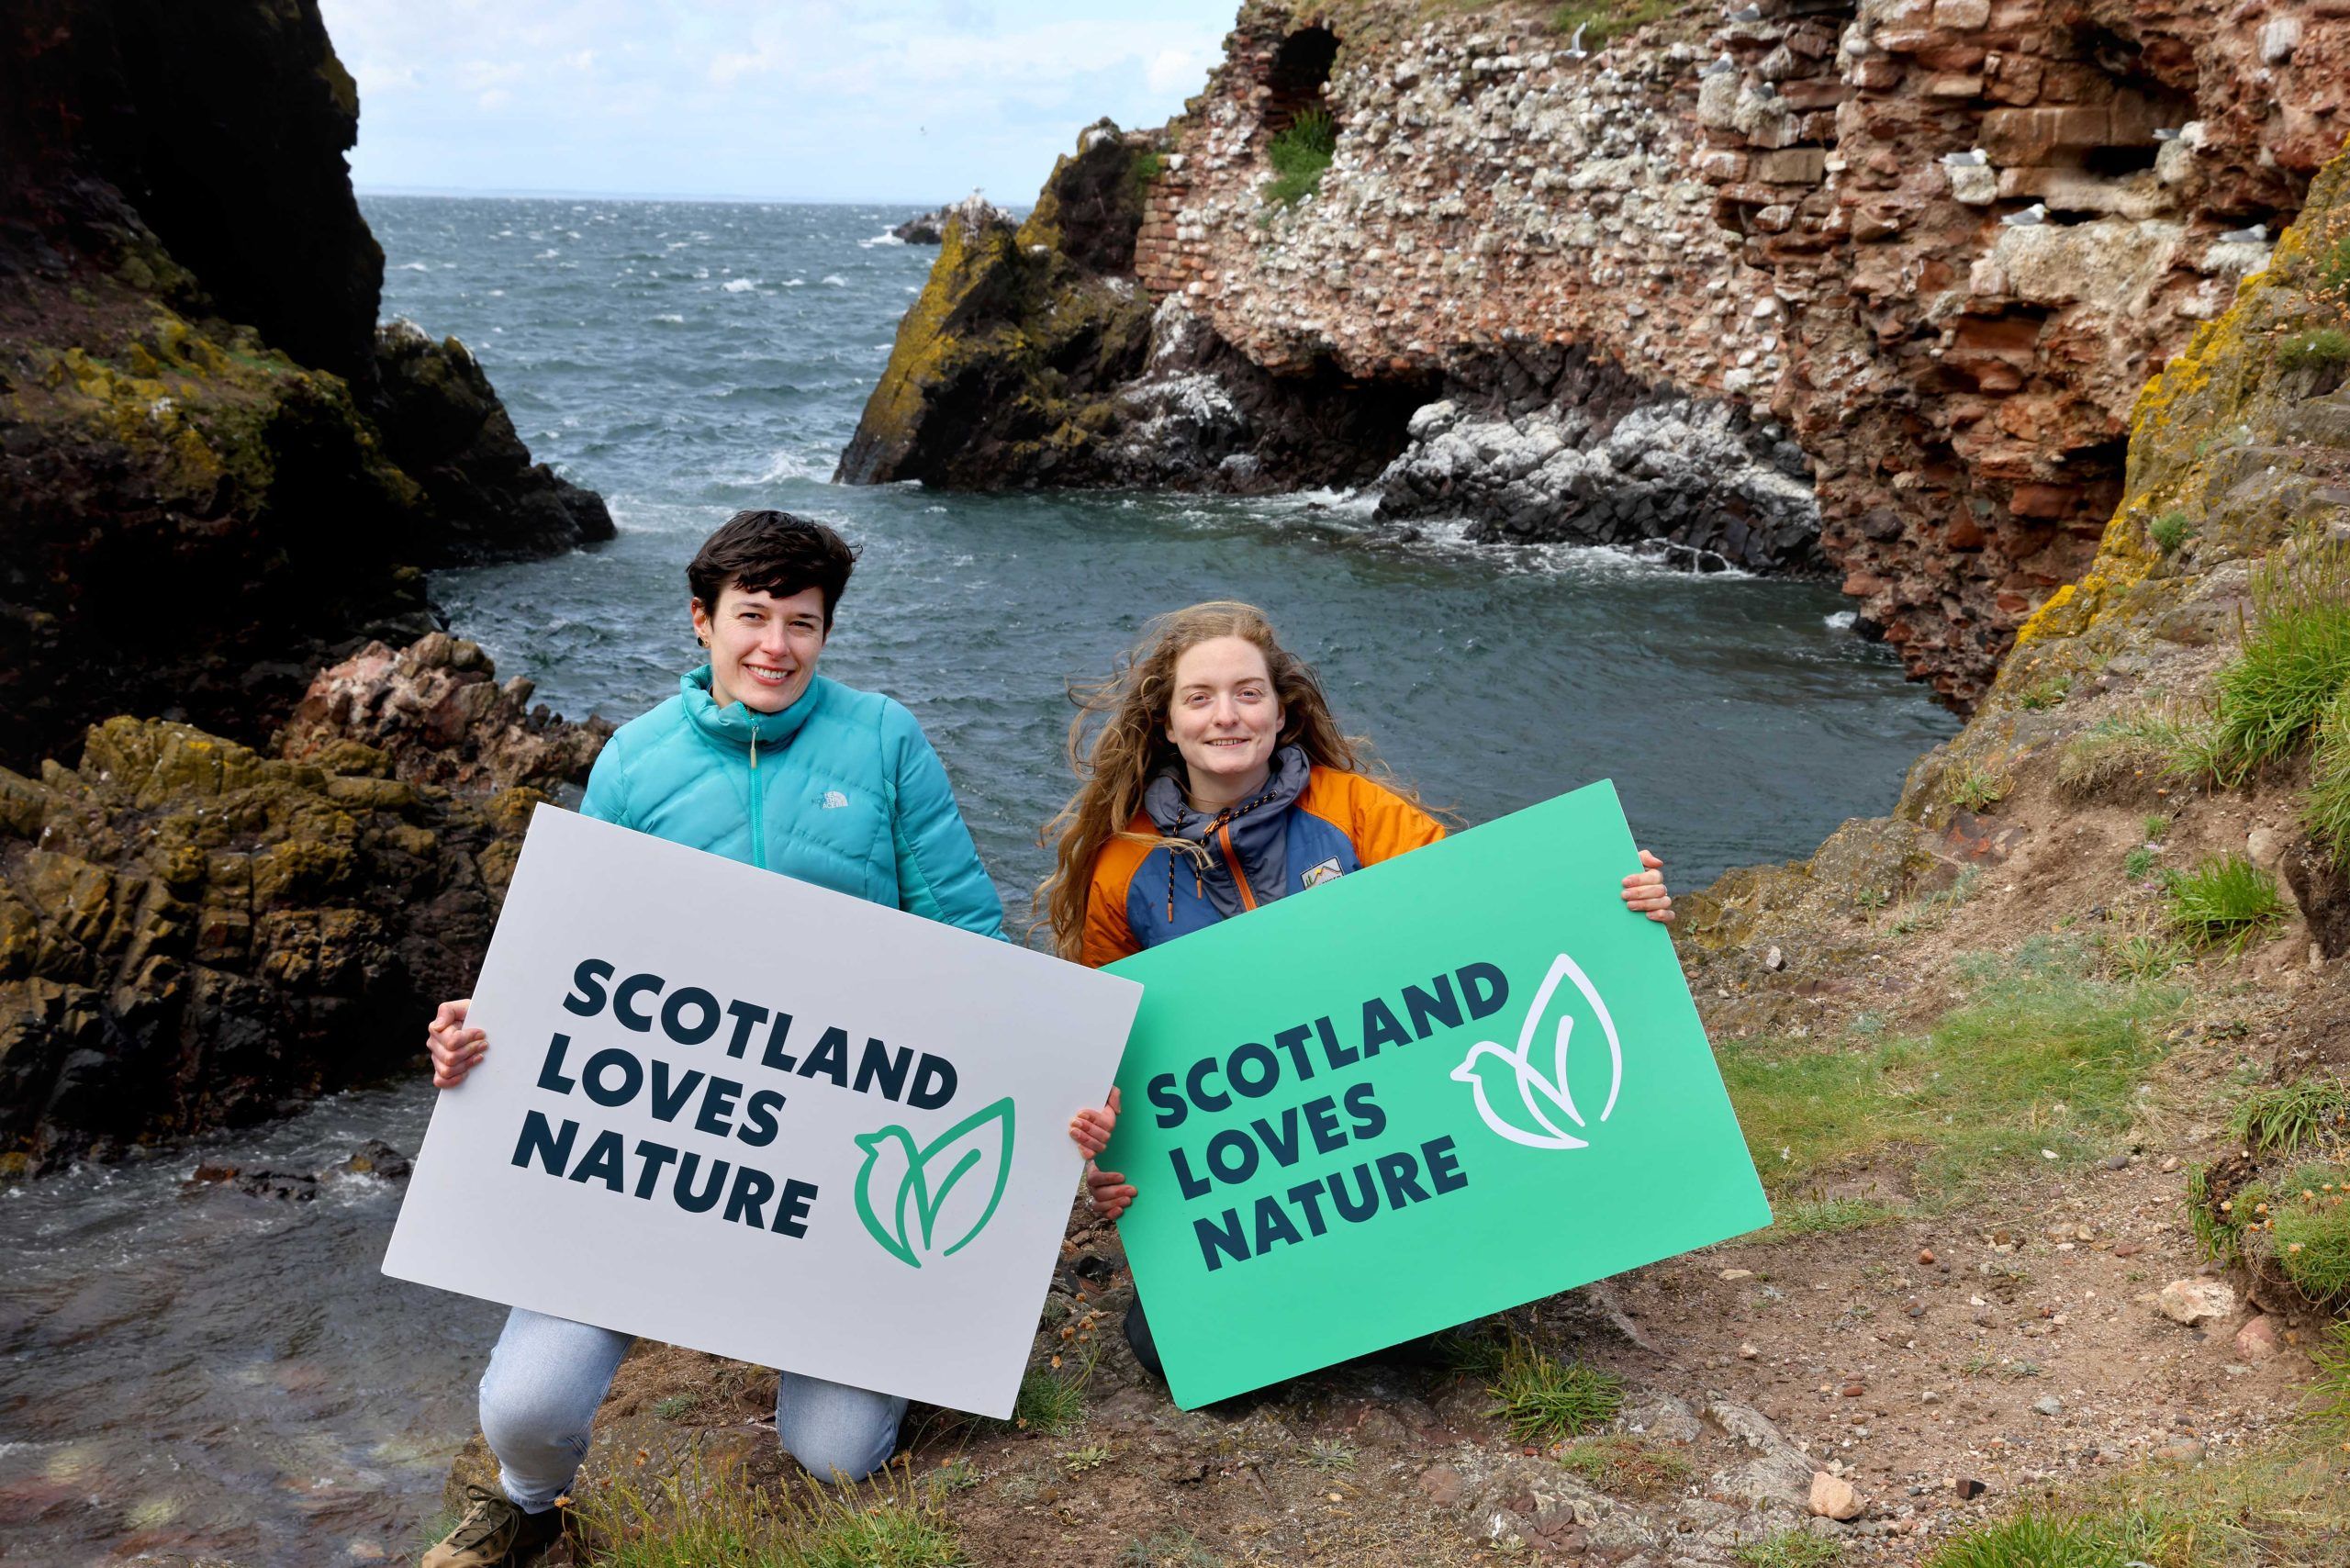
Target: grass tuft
[(2226, 901), (1545, 1400), (1826, 1216), (2296, 658), (1976, 788), (2333, 265), (1629, 1465), (2030, 1540), (1049, 1403), (2327, 813), (2047, 692), (2283, 1118), (2120, 749), (2329, 1391), (1166, 1549), (1328, 1455), (2321, 348), (1790, 1549), (697, 1517), (2170, 530), (1299, 154)]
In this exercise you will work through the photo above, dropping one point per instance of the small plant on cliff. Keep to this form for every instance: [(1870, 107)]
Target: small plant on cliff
[(2225, 900), (2321, 348), (2295, 656), (1545, 1400), (1976, 788), (2327, 812), (2032, 1541), (2169, 532), (1298, 155), (2138, 862), (2329, 1394), (2046, 693), (1148, 166), (2333, 268), (2121, 751)]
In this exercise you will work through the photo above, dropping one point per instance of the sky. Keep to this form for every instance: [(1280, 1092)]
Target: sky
[(792, 100)]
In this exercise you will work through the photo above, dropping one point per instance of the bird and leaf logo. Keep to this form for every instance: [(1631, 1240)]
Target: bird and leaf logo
[(931, 1201), (1525, 1094)]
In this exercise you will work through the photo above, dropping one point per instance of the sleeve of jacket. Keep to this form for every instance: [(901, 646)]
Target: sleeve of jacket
[(606, 796), (939, 874), (1386, 825), (1108, 935)]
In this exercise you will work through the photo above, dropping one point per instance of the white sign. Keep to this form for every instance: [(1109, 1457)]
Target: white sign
[(747, 1115)]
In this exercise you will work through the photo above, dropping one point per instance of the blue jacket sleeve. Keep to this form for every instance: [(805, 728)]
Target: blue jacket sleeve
[(939, 874), (606, 796)]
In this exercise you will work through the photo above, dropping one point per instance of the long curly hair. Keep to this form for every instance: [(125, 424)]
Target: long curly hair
[(1118, 741)]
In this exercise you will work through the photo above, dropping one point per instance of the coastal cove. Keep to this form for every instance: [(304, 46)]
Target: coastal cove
[(686, 359)]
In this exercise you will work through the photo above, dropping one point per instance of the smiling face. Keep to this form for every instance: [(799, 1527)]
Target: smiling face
[(762, 649), (1225, 718)]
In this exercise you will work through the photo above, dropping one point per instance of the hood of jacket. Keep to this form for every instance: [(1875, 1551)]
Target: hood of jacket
[(1246, 845)]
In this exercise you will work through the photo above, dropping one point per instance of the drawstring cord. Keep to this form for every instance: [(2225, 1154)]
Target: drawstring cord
[(1223, 819)]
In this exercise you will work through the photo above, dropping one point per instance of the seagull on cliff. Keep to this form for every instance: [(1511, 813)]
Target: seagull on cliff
[(2166, 133), (1575, 49), (2030, 217), (1722, 65), (1974, 158), (1747, 14), (2256, 235)]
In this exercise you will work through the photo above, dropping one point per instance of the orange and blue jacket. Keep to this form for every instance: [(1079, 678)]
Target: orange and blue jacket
[(1309, 825)]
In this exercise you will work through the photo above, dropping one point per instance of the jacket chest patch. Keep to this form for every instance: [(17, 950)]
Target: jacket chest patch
[(835, 799), (1315, 876)]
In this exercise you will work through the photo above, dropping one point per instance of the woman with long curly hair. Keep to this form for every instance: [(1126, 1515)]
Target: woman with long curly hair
[(1212, 779)]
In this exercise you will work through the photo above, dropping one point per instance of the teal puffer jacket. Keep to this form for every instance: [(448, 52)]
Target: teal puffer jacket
[(841, 789)]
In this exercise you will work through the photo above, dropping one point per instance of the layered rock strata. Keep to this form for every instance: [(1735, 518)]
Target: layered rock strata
[(214, 474), (1786, 216), (194, 935)]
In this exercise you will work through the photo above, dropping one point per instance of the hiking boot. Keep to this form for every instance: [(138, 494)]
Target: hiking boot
[(494, 1534)]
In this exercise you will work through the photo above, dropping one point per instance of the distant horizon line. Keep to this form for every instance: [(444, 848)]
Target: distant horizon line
[(519, 193)]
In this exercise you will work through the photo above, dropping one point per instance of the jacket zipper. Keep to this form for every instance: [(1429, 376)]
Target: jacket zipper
[(759, 831), (1232, 859)]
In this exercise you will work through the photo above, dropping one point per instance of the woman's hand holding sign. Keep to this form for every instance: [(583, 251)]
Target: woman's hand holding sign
[(1105, 1190), (1644, 891), (456, 1050)]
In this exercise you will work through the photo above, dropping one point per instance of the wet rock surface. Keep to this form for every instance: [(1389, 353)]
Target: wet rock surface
[(194, 935)]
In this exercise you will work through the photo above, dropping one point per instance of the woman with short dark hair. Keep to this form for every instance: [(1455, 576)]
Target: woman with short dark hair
[(762, 760)]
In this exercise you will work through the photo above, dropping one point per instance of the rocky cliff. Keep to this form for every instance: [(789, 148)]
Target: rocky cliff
[(195, 934), (214, 472), (1890, 272)]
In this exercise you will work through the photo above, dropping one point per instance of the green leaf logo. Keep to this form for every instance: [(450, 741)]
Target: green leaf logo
[(904, 1194)]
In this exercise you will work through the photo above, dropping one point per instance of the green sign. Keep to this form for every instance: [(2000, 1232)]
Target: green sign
[(1438, 1087)]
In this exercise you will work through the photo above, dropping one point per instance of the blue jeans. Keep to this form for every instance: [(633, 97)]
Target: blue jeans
[(547, 1375)]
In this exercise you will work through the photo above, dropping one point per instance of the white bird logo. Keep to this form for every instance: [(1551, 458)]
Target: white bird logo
[(1534, 1090)]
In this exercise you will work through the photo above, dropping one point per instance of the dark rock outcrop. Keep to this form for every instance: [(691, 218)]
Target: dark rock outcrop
[(1033, 358), (203, 465), (929, 227), (444, 426), (194, 935)]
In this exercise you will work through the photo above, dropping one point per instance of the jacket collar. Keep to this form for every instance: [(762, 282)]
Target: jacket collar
[(1170, 808), (738, 725)]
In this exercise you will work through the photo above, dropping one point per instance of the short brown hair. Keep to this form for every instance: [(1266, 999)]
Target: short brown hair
[(773, 552)]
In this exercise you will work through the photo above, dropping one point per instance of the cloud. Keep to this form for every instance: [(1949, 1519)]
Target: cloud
[(817, 99)]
